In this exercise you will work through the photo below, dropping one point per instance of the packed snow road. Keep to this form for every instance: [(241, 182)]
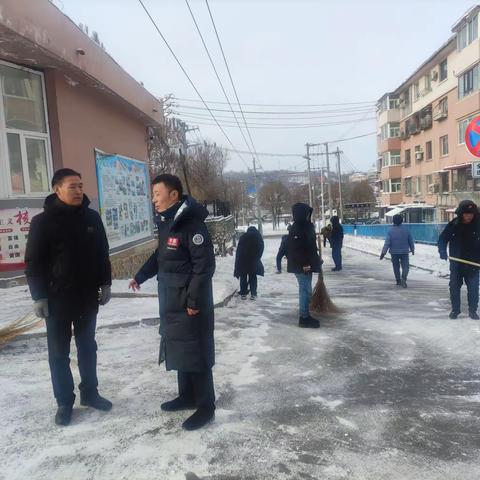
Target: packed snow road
[(389, 389)]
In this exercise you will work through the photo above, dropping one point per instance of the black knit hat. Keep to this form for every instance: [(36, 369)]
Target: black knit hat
[(467, 206), (397, 219)]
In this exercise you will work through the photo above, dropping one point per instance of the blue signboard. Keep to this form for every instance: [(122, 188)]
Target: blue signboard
[(124, 198)]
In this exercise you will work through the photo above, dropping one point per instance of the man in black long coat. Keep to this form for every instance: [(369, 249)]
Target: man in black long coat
[(462, 235), (248, 263), (69, 275), (336, 242), (184, 263)]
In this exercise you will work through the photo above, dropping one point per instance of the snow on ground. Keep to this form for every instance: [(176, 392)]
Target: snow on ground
[(388, 389), (16, 301), (426, 256)]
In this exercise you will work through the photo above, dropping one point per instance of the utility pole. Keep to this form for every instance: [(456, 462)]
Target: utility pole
[(310, 191), (243, 201), (322, 194), (339, 183), (328, 184), (184, 129), (257, 203)]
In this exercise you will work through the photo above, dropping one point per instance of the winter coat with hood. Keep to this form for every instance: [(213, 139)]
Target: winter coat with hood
[(184, 263), (249, 253), (302, 247), (336, 236), (67, 254), (463, 240)]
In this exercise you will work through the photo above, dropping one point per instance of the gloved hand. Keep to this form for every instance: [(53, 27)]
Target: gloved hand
[(381, 256), (413, 253), (105, 294), (444, 256), (40, 307)]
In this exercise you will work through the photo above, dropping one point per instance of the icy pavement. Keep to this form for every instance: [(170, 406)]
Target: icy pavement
[(390, 389)]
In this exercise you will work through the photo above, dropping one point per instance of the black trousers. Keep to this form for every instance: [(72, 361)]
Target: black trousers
[(458, 275), (197, 387), (400, 259), (59, 336), (246, 281)]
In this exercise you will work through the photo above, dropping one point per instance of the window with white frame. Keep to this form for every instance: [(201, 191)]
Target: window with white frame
[(428, 82), (418, 185), (395, 185), (443, 70), (444, 146), (390, 130), (391, 158), (468, 33), (408, 186), (24, 131), (468, 82), (462, 127), (428, 150)]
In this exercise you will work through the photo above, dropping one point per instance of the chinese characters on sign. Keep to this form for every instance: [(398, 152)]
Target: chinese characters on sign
[(14, 228), (124, 198)]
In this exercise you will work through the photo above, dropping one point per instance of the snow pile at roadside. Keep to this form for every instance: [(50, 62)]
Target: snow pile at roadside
[(426, 256)]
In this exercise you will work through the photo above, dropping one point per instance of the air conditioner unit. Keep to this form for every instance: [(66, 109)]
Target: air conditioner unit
[(419, 155), (434, 75), (441, 115), (434, 188)]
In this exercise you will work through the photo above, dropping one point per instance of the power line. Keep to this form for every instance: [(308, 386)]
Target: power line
[(373, 103), (230, 76), (274, 126), (273, 112), (188, 78), (217, 75)]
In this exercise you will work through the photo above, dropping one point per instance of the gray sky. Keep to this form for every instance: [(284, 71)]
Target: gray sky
[(279, 52)]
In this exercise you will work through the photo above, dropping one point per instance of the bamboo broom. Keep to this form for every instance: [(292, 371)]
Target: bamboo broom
[(321, 301), (19, 326)]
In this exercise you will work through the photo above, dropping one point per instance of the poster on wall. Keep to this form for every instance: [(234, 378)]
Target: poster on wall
[(124, 198), (14, 228)]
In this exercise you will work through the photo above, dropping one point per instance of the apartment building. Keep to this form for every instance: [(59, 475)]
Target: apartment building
[(422, 158)]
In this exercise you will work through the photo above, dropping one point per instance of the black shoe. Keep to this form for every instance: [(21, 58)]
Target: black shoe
[(399, 282), (454, 314), (253, 297), (63, 415), (473, 315), (177, 404), (244, 297), (308, 322), (403, 283), (97, 402), (199, 419)]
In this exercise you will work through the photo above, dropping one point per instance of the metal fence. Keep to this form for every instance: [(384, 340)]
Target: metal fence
[(421, 232)]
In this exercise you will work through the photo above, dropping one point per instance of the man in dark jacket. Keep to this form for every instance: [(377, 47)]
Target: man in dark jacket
[(462, 235), (69, 275), (303, 259), (248, 263), (336, 242), (400, 243), (184, 263)]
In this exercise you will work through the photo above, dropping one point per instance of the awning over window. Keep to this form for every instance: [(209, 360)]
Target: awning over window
[(395, 211), (459, 166)]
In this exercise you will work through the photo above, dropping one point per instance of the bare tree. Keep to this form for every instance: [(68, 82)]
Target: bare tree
[(275, 197)]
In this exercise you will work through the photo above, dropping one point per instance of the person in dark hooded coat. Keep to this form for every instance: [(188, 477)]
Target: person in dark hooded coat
[(303, 259), (69, 276), (184, 263), (336, 242), (462, 235), (248, 263)]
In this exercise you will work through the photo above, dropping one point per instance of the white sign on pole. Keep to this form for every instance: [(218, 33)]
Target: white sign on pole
[(476, 169)]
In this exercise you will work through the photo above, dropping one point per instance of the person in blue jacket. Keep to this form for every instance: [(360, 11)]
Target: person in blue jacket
[(400, 243)]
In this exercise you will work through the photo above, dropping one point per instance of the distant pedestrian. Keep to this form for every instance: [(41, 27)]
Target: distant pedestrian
[(282, 251), (303, 259), (248, 263), (399, 242), (462, 235), (336, 242)]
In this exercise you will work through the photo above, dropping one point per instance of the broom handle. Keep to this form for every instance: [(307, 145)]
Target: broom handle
[(461, 260)]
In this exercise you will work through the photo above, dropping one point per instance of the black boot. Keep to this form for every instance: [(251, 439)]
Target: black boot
[(308, 322), (454, 314), (199, 419), (403, 283), (399, 282), (96, 401), (63, 415), (473, 315), (177, 404)]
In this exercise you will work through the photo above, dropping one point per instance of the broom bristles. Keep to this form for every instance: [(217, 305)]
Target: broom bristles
[(321, 301), (17, 327)]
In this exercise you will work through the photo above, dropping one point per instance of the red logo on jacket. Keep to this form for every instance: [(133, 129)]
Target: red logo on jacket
[(173, 242)]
